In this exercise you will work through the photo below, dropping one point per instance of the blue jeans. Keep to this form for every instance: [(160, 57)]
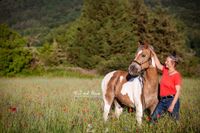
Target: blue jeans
[(163, 106)]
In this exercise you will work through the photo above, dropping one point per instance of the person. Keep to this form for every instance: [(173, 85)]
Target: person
[(170, 88)]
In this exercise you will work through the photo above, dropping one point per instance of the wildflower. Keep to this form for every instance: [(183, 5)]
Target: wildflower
[(148, 118), (13, 109), (130, 110), (85, 110), (65, 109), (158, 115)]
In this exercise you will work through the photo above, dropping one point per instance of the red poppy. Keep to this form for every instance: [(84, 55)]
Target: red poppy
[(13, 109), (130, 110), (148, 118), (158, 115)]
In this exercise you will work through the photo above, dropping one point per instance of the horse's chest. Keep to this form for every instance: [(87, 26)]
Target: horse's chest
[(131, 90)]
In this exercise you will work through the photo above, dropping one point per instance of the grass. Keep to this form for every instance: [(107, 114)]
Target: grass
[(59, 71), (60, 104)]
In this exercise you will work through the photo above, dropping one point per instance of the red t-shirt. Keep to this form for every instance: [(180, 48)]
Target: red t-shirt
[(168, 82)]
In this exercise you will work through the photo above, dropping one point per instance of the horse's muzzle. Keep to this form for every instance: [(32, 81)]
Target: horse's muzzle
[(134, 69)]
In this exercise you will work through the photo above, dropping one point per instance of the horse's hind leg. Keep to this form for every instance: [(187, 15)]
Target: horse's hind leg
[(107, 86), (118, 108), (107, 106)]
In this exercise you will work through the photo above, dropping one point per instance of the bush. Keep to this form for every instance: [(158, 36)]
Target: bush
[(14, 57)]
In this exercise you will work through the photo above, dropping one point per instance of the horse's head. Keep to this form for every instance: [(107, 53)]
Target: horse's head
[(142, 61)]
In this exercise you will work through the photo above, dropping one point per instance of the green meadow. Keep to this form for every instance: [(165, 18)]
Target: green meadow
[(64, 104)]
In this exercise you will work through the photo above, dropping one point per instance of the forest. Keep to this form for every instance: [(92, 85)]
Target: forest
[(96, 35)]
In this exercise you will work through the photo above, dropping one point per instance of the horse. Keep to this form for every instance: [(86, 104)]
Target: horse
[(132, 88)]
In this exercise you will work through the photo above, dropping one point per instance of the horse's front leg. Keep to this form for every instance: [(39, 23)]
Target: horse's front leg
[(139, 111)]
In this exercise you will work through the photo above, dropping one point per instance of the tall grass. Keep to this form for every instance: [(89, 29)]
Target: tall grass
[(58, 72), (39, 104)]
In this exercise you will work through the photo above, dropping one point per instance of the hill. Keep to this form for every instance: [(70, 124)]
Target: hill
[(35, 18)]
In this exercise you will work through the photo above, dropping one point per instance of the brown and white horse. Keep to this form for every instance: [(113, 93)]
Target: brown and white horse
[(124, 88)]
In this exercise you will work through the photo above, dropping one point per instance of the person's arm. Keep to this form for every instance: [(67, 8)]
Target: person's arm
[(158, 64), (178, 91)]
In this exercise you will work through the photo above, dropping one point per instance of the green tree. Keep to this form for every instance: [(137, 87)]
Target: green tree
[(104, 30), (52, 54), (106, 34), (187, 11), (14, 57)]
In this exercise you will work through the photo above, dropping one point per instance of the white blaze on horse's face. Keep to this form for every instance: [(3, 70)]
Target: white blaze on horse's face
[(135, 68), (138, 54)]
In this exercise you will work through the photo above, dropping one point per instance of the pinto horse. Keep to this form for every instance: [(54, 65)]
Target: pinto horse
[(132, 88)]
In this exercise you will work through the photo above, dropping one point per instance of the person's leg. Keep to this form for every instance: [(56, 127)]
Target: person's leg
[(161, 107), (175, 113)]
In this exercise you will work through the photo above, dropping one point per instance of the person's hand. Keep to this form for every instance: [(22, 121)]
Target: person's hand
[(152, 51), (171, 108)]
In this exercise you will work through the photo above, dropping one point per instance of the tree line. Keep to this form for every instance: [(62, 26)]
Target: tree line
[(105, 38)]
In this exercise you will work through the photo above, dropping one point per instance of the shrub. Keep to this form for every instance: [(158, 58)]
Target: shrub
[(14, 57)]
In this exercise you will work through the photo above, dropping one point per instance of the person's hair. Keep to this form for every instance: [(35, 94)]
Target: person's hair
[(174, 58)]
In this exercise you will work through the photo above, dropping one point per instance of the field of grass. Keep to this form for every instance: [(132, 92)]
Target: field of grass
[(53, 104)]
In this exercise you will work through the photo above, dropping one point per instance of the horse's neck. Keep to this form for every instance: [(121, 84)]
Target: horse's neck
[(150, 83), (151, 74)]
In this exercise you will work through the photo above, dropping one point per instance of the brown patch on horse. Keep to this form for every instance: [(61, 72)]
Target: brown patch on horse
[(124, 99), (110, 88), (115, 85)]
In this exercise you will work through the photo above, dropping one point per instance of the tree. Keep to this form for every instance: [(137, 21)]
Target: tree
[(52, 54), (106, 34), (14, 57), (104, 30)]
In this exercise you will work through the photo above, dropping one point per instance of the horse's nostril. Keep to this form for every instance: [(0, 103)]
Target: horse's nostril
[(134, 69), (131, 68)]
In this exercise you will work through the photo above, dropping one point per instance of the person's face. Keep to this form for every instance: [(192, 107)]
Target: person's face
[(169, 62)]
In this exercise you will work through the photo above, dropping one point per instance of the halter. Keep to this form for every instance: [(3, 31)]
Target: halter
[(140, 64)]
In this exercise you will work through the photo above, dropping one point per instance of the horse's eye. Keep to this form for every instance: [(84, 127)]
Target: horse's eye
[(143, 55)]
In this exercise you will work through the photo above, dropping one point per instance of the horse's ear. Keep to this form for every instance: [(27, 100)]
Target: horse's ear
[(146, 45), (139, 44)]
